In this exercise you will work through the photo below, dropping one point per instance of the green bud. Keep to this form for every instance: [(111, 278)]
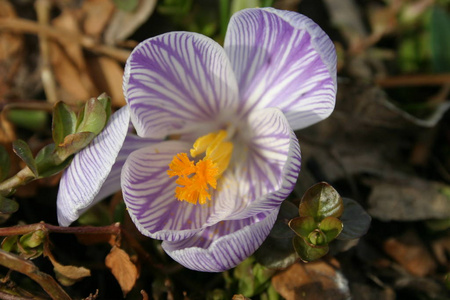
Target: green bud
[(32, 239), (317, 238)]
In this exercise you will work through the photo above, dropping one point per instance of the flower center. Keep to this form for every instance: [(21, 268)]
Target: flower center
[(195, 180)]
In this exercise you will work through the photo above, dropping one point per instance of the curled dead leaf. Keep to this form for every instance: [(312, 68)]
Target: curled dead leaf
[(123, 269), (68, 275), (318, 280)]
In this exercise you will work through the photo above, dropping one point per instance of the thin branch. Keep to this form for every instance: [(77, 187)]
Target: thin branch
[(113, 229), (18, 264), (414, 80)]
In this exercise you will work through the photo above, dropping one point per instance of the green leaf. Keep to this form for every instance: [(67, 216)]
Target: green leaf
[(33, 120), (127, 5), (5, 163), (331, 227), (74, 143), (243, 272), (64, 122), (321, 201), (93, 117), (49, 163), (32, 239), (9, 243), (237, 5), (8, 206), (306, 252), (281, 228), (355, 219), (105, 100), (277, 252), (24, 152), (303, 226), (440, 39)]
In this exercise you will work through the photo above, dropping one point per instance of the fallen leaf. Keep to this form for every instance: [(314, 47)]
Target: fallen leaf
[(410, 252), (126, 273), (68, 275), (410, 199), (313, 281), (107, 74), (96, 15)]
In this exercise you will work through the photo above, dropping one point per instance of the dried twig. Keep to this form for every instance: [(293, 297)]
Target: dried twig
[(414, 80), (18, 264), (47, 76)]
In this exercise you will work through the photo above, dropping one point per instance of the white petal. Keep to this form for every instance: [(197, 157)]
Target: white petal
[(89, 169), (177, 80), (283, 59), (224, 245)]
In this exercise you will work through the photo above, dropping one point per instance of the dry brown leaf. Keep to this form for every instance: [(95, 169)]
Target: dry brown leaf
[(410, 199), (68, 77), (96, 15), (11, 46), (107, 74), (313, 281), (68, 275), (126, 273), (410, 252)]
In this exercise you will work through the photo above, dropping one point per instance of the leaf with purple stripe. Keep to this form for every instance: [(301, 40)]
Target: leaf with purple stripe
[(283, 59), (176, 81), (224, 245), (89, 169)]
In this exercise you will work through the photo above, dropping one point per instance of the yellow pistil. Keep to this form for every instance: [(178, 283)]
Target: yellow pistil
[(195, 180)]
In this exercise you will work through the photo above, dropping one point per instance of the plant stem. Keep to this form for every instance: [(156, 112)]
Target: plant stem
[(18, 264), (113, 229), (22, 177)]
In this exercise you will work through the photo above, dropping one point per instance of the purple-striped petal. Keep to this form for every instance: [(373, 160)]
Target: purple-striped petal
[(149, 194), (177, 81), (224, 245), (283, 59), (89, 169), (269, 173), (112, 183)]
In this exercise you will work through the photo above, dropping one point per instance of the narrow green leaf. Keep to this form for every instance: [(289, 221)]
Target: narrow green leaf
[(74, 143), (64, 122), (355, 219), (24, 152), (306, 252), (33, 120), (237, 5), (127, 5), (331, 227), (5, 163), (303, 226), (8, 206), (9, 243), (321, 201), (440, 39)]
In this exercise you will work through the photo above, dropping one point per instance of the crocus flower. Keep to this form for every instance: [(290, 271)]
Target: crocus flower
[(215, 152)]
